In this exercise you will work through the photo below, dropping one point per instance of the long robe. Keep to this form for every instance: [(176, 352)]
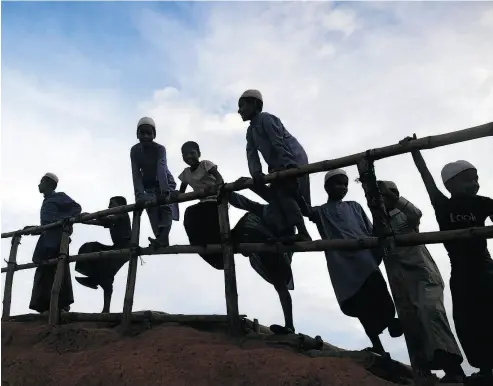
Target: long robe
[(417, 288), (152, 177), (280, 150), (55, 207), (262, 222), (359, 286)]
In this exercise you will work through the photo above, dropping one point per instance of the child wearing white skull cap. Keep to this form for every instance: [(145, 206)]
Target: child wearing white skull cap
[(471, 279), (359, 286)]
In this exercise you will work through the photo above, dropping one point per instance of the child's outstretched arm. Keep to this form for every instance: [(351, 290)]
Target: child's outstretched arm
[(183, 187), (419, 161)]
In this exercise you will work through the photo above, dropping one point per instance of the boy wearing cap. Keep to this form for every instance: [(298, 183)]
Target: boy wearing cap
[(56, 206), (152, 178), (417, 288), (471, 279), (359, 286), (280, 150)]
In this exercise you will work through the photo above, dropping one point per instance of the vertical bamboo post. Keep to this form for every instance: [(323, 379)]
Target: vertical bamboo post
[(376, 204), (132, 272), (234, 322), (9, 278), (406, 312), (62, 265)]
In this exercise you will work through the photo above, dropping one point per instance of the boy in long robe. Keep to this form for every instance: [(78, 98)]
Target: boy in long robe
[(151, 179), (102, 272), (201, 220), (281, 151), (471, 277), (359, 286), (264, 223), (430, 341), (56, 206)]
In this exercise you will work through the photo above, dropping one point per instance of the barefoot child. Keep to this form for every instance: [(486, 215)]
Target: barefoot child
[(412, 270), (359, 286), (201, 220), (280, 151), (152, 178), (102, 272), (262, 224), (471, 278)]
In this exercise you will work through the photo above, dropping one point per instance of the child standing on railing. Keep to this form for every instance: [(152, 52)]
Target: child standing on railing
[(281, 151), (201, 220), (471, 279), (152, 179), (56, 206), (359, 286), (417, 287), (263, 224), (102, 272)]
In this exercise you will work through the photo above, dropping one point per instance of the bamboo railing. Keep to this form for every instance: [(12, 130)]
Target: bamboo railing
[(384, 239)]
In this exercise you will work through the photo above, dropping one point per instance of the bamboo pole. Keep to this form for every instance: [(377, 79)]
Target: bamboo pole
[(234, 322), (9, 278), (401, 240), (132, 272), (430, 142), (62, 265), (157, 317)]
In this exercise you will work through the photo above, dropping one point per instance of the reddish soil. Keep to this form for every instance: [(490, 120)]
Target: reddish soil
[(79, 354)]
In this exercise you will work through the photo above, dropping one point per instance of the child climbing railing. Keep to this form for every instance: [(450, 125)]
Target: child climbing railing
[(385, 239)]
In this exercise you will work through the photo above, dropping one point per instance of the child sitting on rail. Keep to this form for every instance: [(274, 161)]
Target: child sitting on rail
[(102, 272), (359, 286), (281, 151), (471, 279), (265, 223), (201, 220), (152, 179)]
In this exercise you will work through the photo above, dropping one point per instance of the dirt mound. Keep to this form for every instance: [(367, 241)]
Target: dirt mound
[(33, 354)]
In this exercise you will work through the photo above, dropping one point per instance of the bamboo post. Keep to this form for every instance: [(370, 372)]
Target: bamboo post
[(9, 278), (62, 265), (234, 322), (132, 272), (376, 204)]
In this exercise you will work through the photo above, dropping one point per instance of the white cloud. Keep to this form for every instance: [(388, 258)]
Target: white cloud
[(343, 79)]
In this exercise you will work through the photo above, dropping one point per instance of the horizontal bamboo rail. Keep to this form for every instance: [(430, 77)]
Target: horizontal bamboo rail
[(429, 142), (401, 240)]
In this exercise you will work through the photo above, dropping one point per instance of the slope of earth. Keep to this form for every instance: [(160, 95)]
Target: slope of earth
[(83, 354)]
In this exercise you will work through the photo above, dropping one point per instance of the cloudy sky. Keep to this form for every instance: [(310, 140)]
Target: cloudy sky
[(343, 77)]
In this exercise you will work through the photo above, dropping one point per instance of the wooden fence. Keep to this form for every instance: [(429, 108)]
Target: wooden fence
[(384, 238)]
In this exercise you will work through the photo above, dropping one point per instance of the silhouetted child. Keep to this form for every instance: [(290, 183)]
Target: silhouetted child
[(201, 220), (471, 279), (281, 151), (151, 179), (102, 272), (359, 286), (262, 224)]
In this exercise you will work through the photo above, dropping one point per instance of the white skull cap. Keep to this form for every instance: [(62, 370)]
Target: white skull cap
[(252, 94), (146, 121), (52, 177), (332, 173), (450, 170), (390, 184)]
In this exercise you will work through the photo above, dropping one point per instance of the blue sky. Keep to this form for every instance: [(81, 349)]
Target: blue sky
[(344, 77)]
